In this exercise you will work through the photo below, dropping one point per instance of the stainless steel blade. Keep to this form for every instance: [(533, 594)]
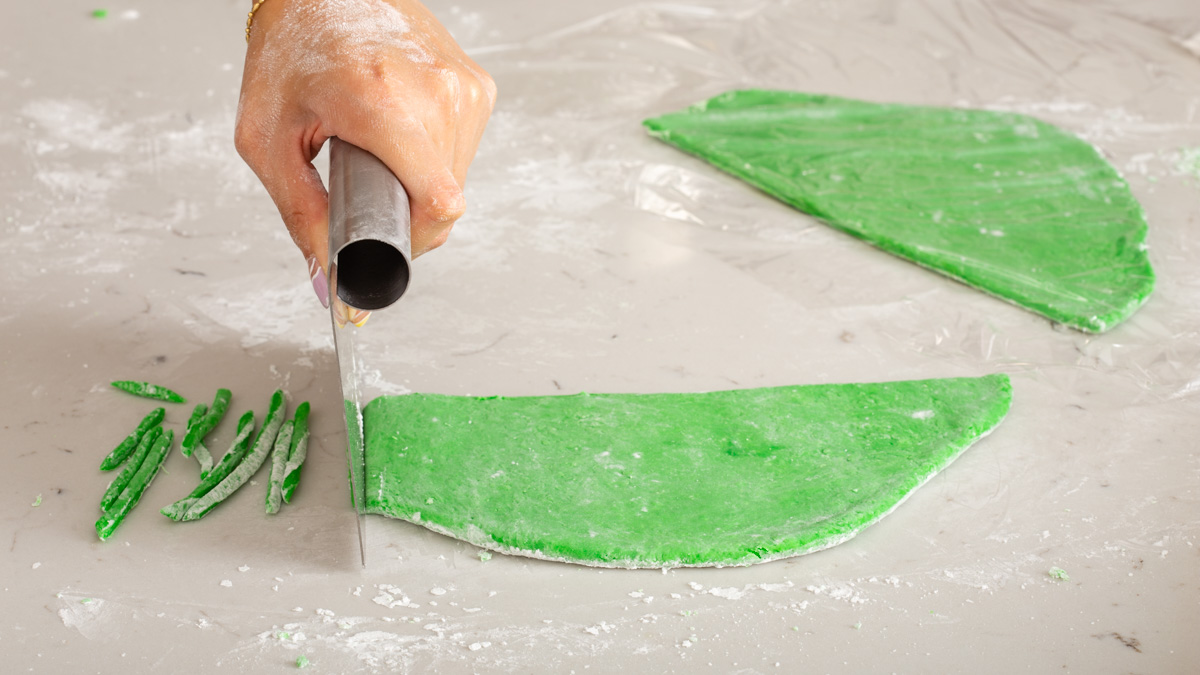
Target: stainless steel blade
[(348, 370), (369, 268)]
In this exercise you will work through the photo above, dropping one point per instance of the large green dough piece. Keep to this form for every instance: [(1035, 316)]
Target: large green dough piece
[(1004, 202), (667, 480)]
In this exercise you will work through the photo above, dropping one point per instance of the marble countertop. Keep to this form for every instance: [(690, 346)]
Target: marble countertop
[(136, 245)]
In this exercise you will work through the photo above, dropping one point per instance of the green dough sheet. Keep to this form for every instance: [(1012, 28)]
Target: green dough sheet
[(669, 480), (1003, 202)]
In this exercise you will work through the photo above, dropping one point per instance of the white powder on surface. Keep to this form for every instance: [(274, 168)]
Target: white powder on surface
[(281, 309), (739, 593), (1192, 44), (727, 593), (1092, 123), (88, 161), (393, 596), (841, 592), (602, 627), (92, 617), (65, 124)]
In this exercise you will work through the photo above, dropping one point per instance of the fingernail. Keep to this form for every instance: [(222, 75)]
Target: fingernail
[(360, 319), (319, 281), (340, 313)]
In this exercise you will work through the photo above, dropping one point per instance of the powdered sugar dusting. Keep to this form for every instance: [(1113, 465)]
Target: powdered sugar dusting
[(313, 37)]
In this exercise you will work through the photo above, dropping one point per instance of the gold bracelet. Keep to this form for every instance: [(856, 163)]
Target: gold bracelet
[(250, 17)]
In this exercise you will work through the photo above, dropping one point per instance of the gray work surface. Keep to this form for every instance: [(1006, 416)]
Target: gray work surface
[(136, 245)]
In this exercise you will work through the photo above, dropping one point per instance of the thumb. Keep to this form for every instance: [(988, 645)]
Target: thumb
[(304, 205)]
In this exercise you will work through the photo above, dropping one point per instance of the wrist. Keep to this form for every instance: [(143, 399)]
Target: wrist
[(263, 13)]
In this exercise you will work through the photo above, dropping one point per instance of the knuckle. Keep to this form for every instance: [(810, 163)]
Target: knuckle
[(439, 239), (377, 71), (247, 139), (376, 86), (474, 92), (448, 206), (433, 237), (294, 218), (252, 133), (449, 84), (479, 89), (489, 88)]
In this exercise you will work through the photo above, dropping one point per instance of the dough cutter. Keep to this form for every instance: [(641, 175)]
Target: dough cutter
[(370, 254)]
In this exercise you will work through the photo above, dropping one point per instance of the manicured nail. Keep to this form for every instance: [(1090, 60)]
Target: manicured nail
[(360, 318), (339, 313), (319, 281)]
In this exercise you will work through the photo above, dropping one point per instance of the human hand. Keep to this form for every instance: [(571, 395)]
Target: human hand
[(381, 74)]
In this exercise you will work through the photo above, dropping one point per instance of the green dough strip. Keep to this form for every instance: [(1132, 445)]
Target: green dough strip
[(193, 441), (668, 480), (112, 518), (197, 414), (122, 451), (251, 463), (204, 458), (1000, 201), (147, 390), (279, 458), (297, 452), (233, 457), (119, 483)]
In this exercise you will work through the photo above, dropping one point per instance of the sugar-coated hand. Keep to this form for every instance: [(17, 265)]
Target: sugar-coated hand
[(381, 74)]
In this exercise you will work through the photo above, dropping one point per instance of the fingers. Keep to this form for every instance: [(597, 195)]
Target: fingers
[(479, 95), (344, 314), (435, 196), (282, 161)]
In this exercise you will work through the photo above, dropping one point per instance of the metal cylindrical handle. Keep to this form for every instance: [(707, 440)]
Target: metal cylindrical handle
[(370, 244)]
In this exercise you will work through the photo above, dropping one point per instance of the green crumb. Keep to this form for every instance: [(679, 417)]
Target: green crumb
[(302, 661), (1059, 573), (37, 502), (484, 556), (796, 628), (147, 390), (283, 635), (858, 626), (85, 601), (99, 13)]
